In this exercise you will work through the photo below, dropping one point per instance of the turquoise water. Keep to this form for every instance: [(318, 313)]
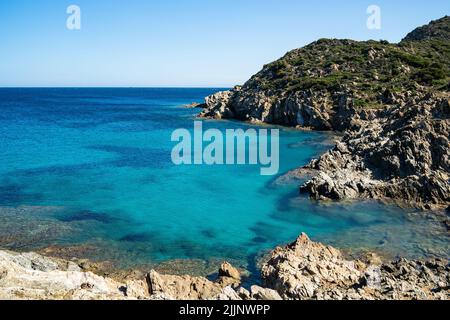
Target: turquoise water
[(92, 167)]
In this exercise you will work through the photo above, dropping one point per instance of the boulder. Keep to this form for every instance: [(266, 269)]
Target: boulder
[(227, 270), (182, 287)]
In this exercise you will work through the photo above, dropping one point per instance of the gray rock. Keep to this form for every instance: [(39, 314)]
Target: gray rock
[(259, 293), (309, 270), (227, 270)]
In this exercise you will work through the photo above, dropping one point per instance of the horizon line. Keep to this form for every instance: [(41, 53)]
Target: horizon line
[(115, 87)]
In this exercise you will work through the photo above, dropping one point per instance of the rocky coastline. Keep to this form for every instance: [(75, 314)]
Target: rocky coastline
[(392, 104), (303, 270), (391, 101)]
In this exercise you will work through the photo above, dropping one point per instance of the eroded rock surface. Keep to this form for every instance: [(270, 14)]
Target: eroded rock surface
[(31, 276), (309, 270), (301, 270)]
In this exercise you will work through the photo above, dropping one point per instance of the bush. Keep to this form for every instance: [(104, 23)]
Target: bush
[(429, 75)]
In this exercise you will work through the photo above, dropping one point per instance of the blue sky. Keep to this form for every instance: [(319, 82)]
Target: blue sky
[(180, 42)]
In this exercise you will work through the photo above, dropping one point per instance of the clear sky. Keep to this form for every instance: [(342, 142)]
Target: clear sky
[(180, 42)]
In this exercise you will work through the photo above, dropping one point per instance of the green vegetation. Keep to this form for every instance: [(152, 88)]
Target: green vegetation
[(365, 68)]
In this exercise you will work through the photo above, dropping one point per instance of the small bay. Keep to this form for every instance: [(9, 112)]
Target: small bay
[(91, 168)]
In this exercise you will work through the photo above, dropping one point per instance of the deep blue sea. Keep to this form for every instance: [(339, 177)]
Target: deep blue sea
[(92, 168)]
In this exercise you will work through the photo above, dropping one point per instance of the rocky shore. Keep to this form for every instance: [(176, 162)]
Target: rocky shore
[(392, 104), (303, 270), (391, 101)]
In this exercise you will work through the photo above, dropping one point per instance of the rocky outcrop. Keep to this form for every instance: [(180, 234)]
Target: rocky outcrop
[(404, 155), (330, 82), (217, 106), (305, 109), (31, 276), (170, 287), (195, 288), (194, 105), (390, 100), (309, 270), (228, 271), (301, 270)]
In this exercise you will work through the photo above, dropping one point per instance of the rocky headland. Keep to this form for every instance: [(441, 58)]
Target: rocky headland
[(303, 270), (391, 101)]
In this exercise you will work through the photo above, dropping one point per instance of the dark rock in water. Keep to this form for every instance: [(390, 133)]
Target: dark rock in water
[(259, 240), (391, 100), (137, 237), (404, 155), (87, 215), (210, 234), (310, 270)]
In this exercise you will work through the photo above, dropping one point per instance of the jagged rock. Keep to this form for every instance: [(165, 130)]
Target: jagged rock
[(31, 276), (390, 158), (182, 287), (195, 288), (302, 270), (137, 288), (258, 293), (195, 105), (218, 105), (309, 270), (244, 294), (228, 294), (227, 270)]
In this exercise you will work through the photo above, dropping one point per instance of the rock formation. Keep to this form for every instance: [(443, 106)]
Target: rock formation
[(31, 276), (404, 155), (309, 270)]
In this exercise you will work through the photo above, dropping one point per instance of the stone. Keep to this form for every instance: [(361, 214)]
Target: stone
[(310, 270), (244, 294), (182, 287), (228, 294), (227, 270), (259, 293), (194, 105), (31, 276)]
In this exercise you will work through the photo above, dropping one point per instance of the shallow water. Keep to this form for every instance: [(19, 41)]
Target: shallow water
[(92, 167)]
